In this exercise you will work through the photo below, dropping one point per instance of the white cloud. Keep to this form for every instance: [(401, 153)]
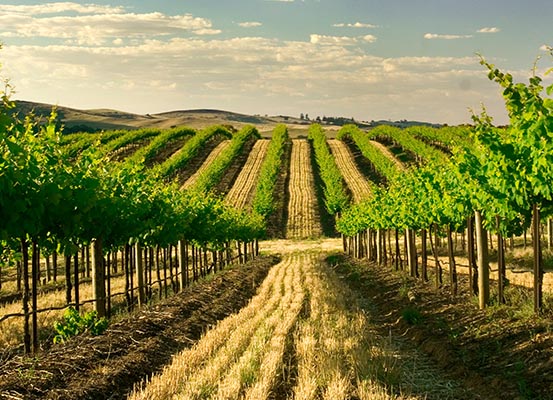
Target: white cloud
[(446, 37), (112, 59), (249, 24), (332, 40), (488, 30), (60, 7), (355, 25), (281, 76), (204, 32), (98, 29), (369, 38), (340, 40)]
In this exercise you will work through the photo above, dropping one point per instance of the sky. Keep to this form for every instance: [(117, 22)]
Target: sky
[(370, 60)]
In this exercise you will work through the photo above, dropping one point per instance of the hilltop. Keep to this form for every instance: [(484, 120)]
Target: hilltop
[(75, 120)]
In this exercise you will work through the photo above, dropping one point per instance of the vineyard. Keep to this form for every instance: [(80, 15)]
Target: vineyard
[(191, 264)]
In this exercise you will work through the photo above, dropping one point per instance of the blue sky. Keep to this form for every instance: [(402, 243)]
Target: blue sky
[(374, 59)]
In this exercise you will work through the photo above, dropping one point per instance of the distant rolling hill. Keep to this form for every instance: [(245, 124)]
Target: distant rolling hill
[(74, 120), (103, 119)]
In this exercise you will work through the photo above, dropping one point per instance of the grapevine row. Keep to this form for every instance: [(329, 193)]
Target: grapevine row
[(381, 163), (154, 147), (87, 140), (126, 139), (263, 201), (336, 197), (189, 150), (213, 174), (447, 137), (406, 139), (499, 182), (51, 202)]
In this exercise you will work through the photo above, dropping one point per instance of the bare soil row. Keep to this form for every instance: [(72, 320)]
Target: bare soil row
[(134, 347)]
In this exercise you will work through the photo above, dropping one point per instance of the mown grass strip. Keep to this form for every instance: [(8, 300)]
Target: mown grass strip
[(240, 194), (361, 188), (339, 356), (192, 368)]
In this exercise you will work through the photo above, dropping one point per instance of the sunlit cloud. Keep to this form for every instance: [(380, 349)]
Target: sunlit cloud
[(250, 24), (99, 28), (103, 56), (489, 30), (340, 40), (60, 7), (354, 25), (369, 38), (446, 37), (217, 72)]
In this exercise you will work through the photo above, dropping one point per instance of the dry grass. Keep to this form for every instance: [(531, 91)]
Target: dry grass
[(356, 181), (338, 356), (244, 185), (11, 333), (229, 358), (384, 150), (303, 221)]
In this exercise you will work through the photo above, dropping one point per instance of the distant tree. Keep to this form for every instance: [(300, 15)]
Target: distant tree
[(301, 116), (318, 119), (307, 116)]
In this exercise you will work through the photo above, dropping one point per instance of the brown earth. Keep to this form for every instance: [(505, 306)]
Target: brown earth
[(75, 120), (276, 223), (107, 366), (500, 353)]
